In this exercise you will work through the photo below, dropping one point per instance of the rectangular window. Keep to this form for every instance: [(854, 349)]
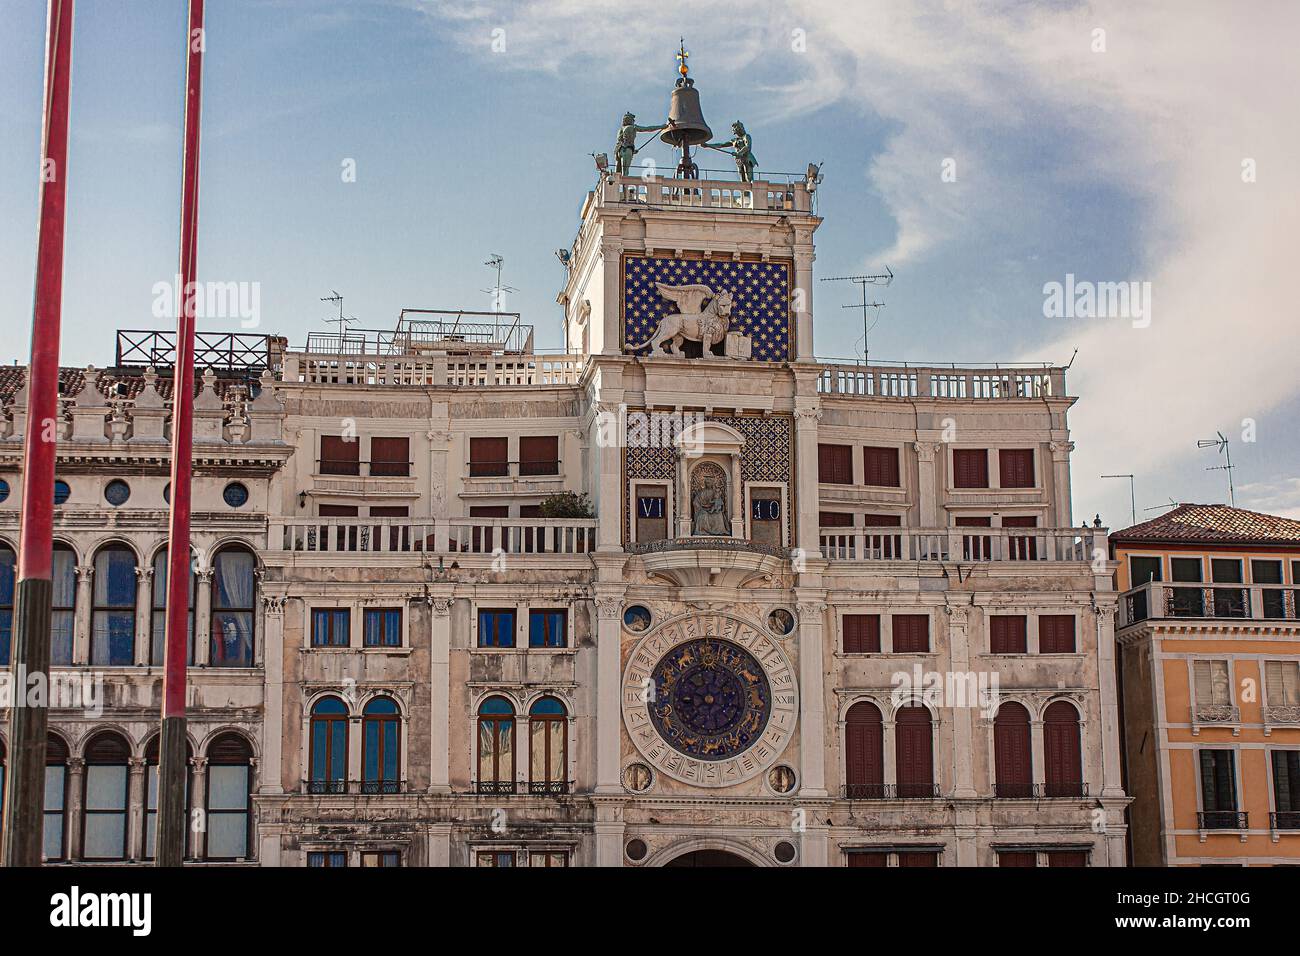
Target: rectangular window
[(1056, 634), (880, 467), (539, 455), (765, 517), (835, 464), (1075, 858), (496, 628), (861, 633), (911, 633), (1016, 467), (495, 858), (1282, 683), (339, 455), (390, 457), (1218, 782), (1266, 573), (883, 547), (918, 858), (1213, 688), (865, 858), (835, 519), (1286, 786), (970, 468), (548, 858), (489, 457), (381, 858), (1143, 571), (1186, 602), (105, 814), (55, 800), (1008, 634), (228, 799), (331, 858), (651, 513), (331, 627), (1021, 858), (549, 628), (382, 626)]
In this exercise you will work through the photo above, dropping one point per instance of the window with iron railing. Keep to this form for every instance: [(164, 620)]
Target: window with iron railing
[(390, 457), (1219, 791), (489, 457), (1286, 790), (339, 455)]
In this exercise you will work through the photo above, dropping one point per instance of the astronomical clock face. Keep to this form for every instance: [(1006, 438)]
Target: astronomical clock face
[(709, 699)]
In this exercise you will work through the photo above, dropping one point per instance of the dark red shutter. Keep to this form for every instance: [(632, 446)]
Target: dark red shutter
[(918, 858), (867, 858), (913, 751), (339, 457), (861, 633), (1067, 857), (489, 457), (970, 467), (1016, 467), (835, 519), (1017, 858), (390, 456), (1008, 634), (911, 633), (835, 464), (1056, 634), (539, 455), (864, 757), (1064, 762), (1013, 775), (337, 511), (880, 467)]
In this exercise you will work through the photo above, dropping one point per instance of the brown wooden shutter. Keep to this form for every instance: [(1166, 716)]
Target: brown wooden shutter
[(489, 457), (835, 519), (880, 467), (1013, 773), (913, 751), (1016, 467), (1017, 858), (835, 464), (390, 511), (339, 457), (390, 456), (337, 511), (970, 467), (1067, 858), (882, 521), (866, 858), (918, 858), (1008, 634), (861, 633), (864, 760), (1056, 634), (911, 633), (1064, 770), (539, 455)]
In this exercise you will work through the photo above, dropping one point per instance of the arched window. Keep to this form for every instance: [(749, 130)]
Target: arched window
[(548, 735), (230, 789), (381, 747), (864, 752), (328, 770), (233, 589), (104, 805), (63, 610), (151, 796), (56, 797), (914, 751), (1061, 752), (1013, 768), (113, 622), (496, 746), (158, 620), (8, 578)]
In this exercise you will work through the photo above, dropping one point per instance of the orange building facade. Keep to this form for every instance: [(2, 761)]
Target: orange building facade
[(1209, 658)]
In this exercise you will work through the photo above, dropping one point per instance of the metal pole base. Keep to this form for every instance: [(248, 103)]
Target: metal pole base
[(172, 824), (24, 818)]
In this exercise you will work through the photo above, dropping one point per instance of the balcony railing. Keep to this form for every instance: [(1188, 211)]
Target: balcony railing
[(1284, 820), (889, 791), (549, 788), (906, 381), (1215, 714), (1157, 600), (381, 786), (960, 544), (351, 467), (497, 788), (326, 786), (1040, 791), (540, 468), (463, 371), (437, 536), (1223, 820)]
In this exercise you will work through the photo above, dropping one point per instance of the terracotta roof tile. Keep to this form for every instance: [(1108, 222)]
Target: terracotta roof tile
[(1212, 523)]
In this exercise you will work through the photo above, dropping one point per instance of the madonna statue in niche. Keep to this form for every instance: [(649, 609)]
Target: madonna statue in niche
[(709, 501)]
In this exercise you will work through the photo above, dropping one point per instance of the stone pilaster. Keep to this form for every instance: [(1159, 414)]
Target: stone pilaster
[(609, 611), (440, 704), (812, 709), (273, 723)]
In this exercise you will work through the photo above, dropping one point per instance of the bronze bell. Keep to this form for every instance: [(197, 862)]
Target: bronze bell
[(686, 120)]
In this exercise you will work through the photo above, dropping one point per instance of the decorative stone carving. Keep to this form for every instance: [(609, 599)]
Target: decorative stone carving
[(709, 500), (696, 322)]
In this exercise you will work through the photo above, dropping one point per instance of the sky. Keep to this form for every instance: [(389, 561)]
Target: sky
[(981, 151)]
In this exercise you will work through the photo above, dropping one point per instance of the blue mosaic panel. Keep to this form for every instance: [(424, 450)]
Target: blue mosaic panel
[(760, 293)]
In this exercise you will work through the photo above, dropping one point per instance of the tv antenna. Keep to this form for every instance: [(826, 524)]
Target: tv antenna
[(880, 279), (1132, 495), (1172, 504), (495, 261), (342, 321), (1221, 443)]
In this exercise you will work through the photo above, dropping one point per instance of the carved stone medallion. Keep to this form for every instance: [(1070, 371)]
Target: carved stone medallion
[(709, 699)]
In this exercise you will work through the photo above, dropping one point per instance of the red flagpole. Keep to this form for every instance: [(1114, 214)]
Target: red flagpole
[(171, 771), (30, 654)]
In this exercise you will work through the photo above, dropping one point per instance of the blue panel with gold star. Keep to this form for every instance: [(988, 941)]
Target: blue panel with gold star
[(760, 293)]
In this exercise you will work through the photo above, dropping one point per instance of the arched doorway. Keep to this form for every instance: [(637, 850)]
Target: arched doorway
[(708, 858)]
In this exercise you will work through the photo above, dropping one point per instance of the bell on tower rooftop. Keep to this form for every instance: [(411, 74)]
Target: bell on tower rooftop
[(686, 125)]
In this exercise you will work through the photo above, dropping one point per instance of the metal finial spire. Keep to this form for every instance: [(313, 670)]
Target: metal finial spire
[(683, 69)]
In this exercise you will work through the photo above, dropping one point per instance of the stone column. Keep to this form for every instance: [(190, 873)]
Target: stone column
[(927, 488), (803, 295), (136, 795), (611, 335), (1111, 785), (203, 617), (812, 708), (273, 725), (609, 719), (962, 716), (440, 706), (355, 729), (82, 617), (72, 808), (198, 808), (887, 745), (1061, 483), (808, 525), (1038, 750), (143, 616)]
